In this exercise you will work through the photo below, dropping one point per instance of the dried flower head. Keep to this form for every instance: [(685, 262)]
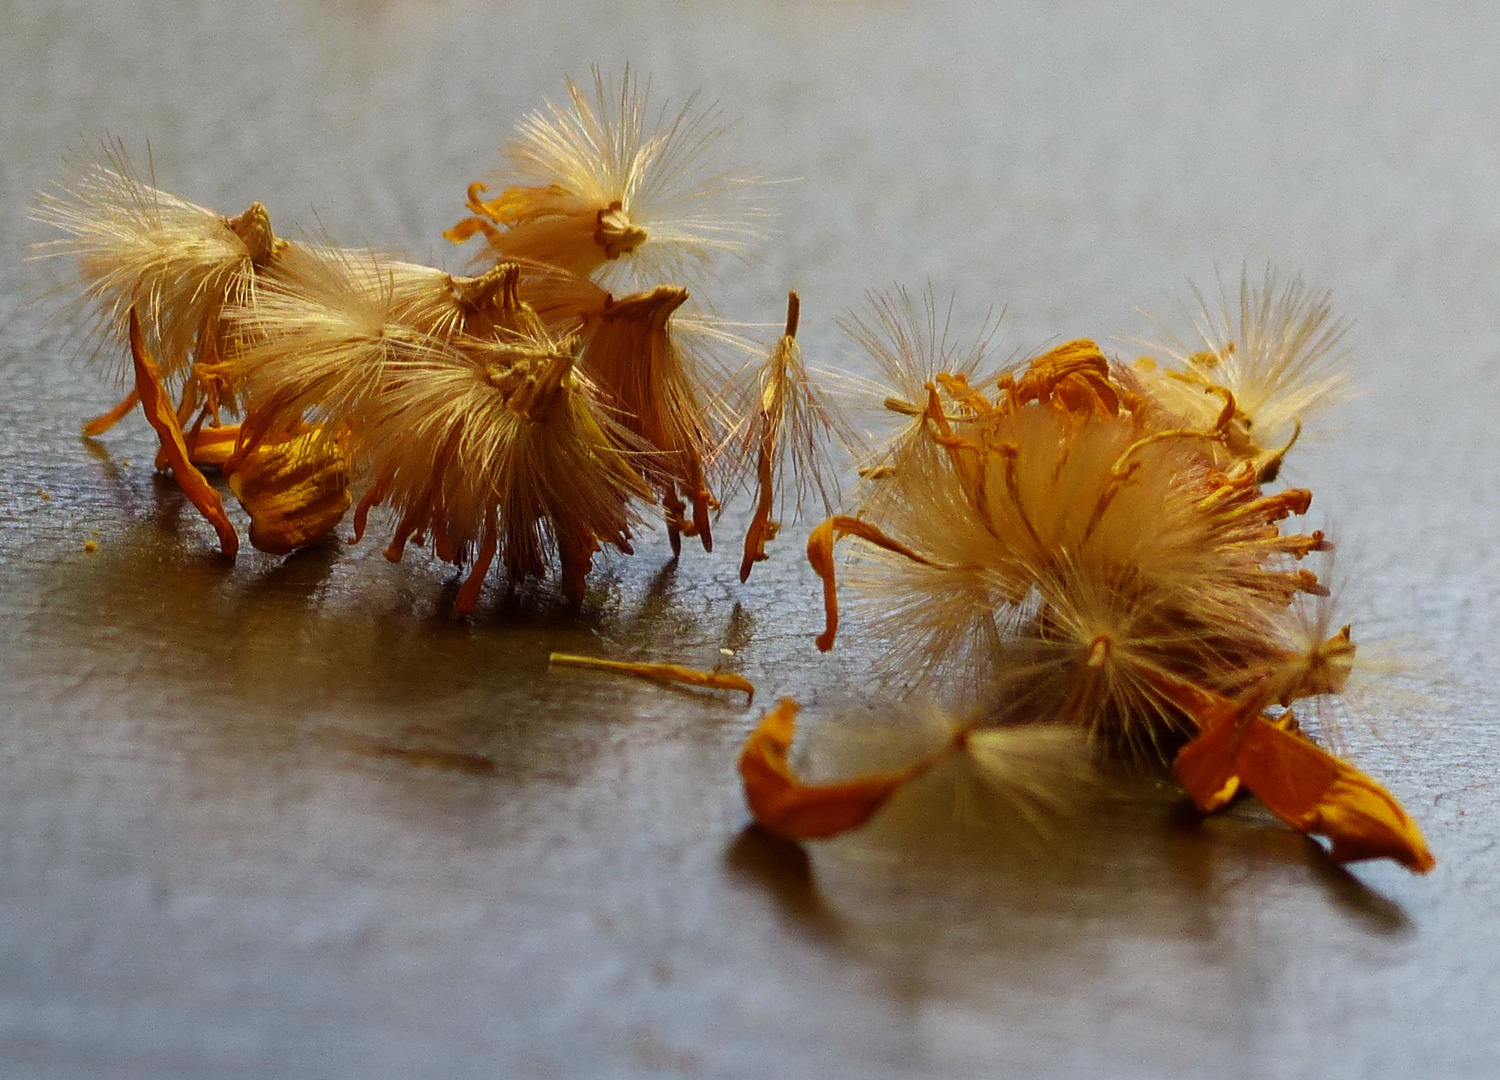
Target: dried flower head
[(172, 262), (1274, 346), (1069, 551), (503, 448), (600, 179)]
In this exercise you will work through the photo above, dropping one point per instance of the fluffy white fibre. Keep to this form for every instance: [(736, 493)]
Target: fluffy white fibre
[(605, 182), (177, 263), (1274, 345)]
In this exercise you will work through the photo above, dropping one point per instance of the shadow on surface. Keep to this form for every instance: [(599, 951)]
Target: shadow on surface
[(923, 900), (332, 647), (782, 870)]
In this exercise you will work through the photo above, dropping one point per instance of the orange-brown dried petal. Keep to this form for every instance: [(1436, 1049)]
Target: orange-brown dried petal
[(295, 490), (782, 804), (668, 673), (1315, 792), (163, 418)]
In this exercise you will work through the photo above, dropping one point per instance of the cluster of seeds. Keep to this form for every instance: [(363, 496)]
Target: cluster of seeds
[(1086, 559), (1085, 562), (526, 414)]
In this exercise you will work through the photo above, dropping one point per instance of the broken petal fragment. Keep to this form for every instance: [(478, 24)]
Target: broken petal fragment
[(782, 804), (668, 673), (1315, 792)]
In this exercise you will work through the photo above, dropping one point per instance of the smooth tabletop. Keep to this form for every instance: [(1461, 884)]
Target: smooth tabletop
[(291, 818)]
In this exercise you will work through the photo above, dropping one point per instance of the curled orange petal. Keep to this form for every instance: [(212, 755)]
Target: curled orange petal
[(1315, 792), (1305, 786), (163, 417), (782, 804), (820, 544)]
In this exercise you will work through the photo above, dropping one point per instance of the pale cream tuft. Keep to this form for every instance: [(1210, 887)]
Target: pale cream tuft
[(1276, 346), (175, 262), (606, 183)]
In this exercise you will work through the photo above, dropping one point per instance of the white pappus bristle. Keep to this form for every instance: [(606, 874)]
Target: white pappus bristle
[(606, 183)]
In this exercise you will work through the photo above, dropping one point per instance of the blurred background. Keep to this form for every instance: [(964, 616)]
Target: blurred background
[(290, 818)]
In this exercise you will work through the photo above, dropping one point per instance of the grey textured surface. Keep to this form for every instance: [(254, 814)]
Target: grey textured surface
[(208, 869)]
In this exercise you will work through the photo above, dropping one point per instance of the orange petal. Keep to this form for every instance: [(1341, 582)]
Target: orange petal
[(163, 417), (670, 673), (820, 554), (784, 805), (1302, 784), (1315, 792), (100, 424)]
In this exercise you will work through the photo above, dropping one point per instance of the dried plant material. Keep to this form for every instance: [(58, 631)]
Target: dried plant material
[(1316, 793), (909, 345), (500, 448), (600, 180), (174, 263), (1275, 347), (1067, 549), (1306, 787), (163, 418), (296, 490), (446, 387), (1059, 548), (315, 340), (785, 424), (783, 804), (517, 415), (169, 275), (820, 544), (662, 673), (633, 355), (1035, 773), (212, 445), (1030, 775), (566, 302)]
